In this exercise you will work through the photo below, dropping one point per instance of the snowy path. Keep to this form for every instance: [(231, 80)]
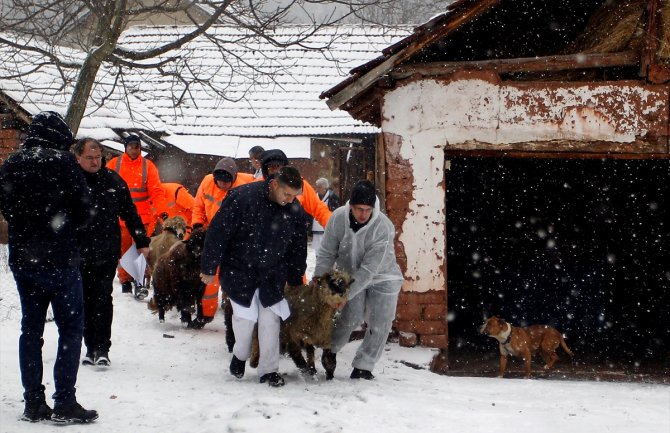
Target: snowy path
[(182, 384)]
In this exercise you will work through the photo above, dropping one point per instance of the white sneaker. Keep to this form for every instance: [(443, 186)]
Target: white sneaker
[(88, 359), (102, 360), (141, 292)]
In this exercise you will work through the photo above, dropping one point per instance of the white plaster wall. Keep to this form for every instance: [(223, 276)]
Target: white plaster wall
[(429, 114)]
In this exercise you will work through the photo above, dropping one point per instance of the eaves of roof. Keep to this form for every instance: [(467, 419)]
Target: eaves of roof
[(364, 76)]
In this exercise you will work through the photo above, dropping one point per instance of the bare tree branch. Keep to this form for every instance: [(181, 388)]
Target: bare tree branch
[(95, 27)]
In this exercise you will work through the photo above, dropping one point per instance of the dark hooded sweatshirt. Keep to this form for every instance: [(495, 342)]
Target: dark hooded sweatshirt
[(44, 197)]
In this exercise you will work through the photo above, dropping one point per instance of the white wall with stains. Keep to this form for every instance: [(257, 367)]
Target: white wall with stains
[(431, 115)]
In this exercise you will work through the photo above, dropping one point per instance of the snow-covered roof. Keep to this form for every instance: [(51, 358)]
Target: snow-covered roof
[(119, 147), (265, 90), (238, 147), (30, 81), (249, 91)]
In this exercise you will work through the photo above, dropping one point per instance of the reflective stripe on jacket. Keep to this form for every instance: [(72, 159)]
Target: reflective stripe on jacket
[(144, 184), (209, 197)]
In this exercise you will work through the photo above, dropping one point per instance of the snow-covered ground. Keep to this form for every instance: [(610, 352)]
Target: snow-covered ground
[(167, 379)]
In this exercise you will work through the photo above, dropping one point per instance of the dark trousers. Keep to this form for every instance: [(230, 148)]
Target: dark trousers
[(98, 308), (62, 288)]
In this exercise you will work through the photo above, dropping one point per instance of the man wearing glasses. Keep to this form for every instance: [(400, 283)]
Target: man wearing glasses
[(100, 244)]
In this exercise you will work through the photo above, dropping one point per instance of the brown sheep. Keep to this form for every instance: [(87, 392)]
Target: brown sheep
[(310, 325), (174, 229), (176, 279)]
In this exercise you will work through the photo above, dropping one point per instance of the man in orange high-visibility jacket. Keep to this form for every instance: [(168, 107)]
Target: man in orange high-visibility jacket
[(272, 161), (144, 183), (179, 202), (212, 191)]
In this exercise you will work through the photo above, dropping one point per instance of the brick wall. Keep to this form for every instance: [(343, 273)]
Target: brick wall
[(421, 317), (10, 139)]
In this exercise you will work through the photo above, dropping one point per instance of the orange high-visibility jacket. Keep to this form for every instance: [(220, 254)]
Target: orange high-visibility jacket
[(179, 201), (310, 201), (313, 205), (144, 183), (209, 197)]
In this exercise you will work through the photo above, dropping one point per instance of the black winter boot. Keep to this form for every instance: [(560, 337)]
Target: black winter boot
[(273, 379), (127, 287), (74, 413), (37, 411), (237, 367), (358, 373)]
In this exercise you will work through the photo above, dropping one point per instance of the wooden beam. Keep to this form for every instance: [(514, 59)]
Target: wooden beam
[(380, 170), (16, 108), (368, 79), (658, 149), (524, 64), (552, 155), (651, 33)]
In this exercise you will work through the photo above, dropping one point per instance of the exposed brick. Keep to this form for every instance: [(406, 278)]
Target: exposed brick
[(408, 339), (434, 311), (409, 311), (399, 171), (405, 325), (432, 297), (397, 203), (437, 341), (430, 327), (9, 133), (407, 298)]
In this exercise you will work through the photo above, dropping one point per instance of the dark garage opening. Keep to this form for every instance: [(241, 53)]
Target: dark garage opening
[(581, 244)]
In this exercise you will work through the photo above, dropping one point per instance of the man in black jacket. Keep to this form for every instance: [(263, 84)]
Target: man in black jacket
[(45, 199), (101, 246), (259, 240)]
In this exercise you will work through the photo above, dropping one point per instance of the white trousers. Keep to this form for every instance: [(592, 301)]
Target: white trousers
[(268, 339)]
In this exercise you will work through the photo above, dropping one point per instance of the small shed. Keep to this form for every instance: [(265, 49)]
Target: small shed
[(520, 139)]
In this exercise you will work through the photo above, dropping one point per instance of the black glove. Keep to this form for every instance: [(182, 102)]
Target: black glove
[(164, 216), (197, 226)]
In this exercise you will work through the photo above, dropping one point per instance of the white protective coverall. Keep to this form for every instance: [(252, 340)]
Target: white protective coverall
[(368, 255)]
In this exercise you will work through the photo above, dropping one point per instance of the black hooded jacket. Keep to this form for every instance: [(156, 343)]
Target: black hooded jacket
[(44, 197), (101, 240)]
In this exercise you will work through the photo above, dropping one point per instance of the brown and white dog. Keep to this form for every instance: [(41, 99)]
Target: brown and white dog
[(524, 342)]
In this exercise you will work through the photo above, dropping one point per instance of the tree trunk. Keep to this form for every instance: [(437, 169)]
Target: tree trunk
[(82, 91)]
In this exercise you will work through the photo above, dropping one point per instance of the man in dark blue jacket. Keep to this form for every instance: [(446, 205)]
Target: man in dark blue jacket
[(44, 197), (259, 240), (101, 247)]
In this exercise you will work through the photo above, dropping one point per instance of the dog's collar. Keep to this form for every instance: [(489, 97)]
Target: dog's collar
[(509, 335)]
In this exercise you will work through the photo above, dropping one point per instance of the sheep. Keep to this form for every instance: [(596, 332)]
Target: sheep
[(310, 325), (176, 279)]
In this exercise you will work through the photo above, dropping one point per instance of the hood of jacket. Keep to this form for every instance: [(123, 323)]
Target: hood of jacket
[(49, 130)]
